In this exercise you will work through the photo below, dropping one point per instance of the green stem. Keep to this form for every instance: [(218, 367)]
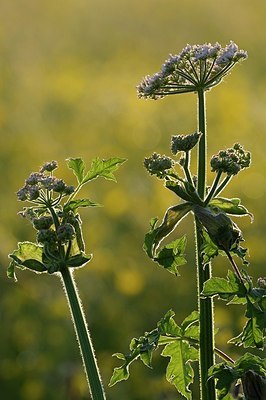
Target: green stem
[(186, 168), (223, 184), (207, 387), (213, 188), (83, 336)]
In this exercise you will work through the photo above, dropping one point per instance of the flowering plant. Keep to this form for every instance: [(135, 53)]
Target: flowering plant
[(198, 69), (59, 246)]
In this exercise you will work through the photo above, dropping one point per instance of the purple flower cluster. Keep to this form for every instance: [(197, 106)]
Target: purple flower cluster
[(195, 67), (40, 182)]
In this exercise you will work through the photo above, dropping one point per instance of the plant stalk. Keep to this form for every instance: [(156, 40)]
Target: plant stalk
[(83, 336), (207, 387)]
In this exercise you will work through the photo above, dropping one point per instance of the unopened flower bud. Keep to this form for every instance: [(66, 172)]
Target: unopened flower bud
[(184, 142), (158, 165), (231, 161), (46, 236), (49, 166), (44, 222), (65, 232)]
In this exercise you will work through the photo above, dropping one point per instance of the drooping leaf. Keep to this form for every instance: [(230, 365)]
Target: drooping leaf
[(171, 219), (230, 206), (179, 371), (224, 288), (73, 205), (208, 249), (78, 167), (28, 255), (103, 168), (79, 260), (172, 255)]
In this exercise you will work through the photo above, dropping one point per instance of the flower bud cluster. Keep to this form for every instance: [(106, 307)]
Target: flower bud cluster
[(184, 142), (158, 165), (48, 235), (198, 66), (39, 182), (231, 161)]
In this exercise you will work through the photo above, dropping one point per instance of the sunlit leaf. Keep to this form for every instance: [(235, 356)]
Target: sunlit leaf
[(179, 371), (224, 288), (79, 260), (28, 255), (171, 219), (250, 368), (172, 255), (103, 168), (75, 204), (230, 206), (78, 166)]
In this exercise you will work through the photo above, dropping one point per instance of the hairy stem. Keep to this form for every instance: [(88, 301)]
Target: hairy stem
[(207, 387), (83, 336)]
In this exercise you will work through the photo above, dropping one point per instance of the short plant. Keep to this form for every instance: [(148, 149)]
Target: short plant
[(59, 246), (197, 69)]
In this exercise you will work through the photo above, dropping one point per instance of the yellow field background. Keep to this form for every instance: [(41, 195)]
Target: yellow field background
[(68, 72)]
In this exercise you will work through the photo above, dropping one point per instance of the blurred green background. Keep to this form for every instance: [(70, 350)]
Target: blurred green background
[(68, 71)]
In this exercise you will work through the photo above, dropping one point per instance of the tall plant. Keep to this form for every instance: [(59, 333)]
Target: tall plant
[(197, 69), (59, 248)]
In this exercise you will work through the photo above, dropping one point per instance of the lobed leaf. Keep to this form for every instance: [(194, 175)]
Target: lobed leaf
[(73, 205), (103, 168), (172, 255), (78, 167), (179, 371), (224, 288)]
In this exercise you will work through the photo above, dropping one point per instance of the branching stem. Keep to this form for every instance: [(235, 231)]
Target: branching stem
[(207, 387)]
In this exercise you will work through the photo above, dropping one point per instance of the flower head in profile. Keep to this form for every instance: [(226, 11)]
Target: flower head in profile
[(231, 161), (195, 67)]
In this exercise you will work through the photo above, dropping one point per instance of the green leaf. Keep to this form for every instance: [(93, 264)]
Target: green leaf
[(224, 288), (73, 205), (28, 255), (226, 376), (171, 219), (78, 167), (167, 325), (249, 368), (179, 371), (172, 255), (230, 206), (119, 374), (208, 249), (103, 168), (79, 260)]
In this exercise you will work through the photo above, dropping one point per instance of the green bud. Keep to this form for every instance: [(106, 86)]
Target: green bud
[(43, 222)]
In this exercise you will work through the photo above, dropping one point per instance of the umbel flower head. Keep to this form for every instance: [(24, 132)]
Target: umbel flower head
[(231, 161), (197, 67)]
